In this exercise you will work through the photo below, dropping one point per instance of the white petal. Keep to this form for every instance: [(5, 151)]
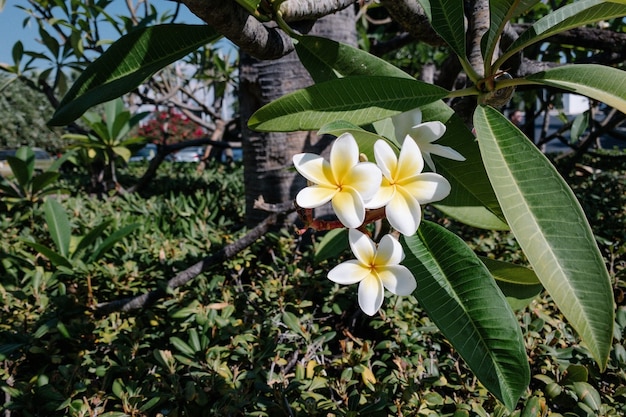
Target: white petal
[(404, 213), (365, 178), (410, 161), (382, 197), (349, 272), (386, 158), (445, 152), (349, 207), (429, 160), (371, 294), (397, 279), (389, 252), (343, 156), (314, 168), (427, 187), (362, 246), (403, 122), (315, 196), (427, 132)]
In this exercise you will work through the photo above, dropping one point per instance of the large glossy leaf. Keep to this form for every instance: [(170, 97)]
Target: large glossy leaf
[(358, 100), (127, 63), (326, 59), (551, 228), (573, 15), (599, 82), (448, 20), (518, 283), (500, 12), (58, 225), (461, 297), (471, 199)]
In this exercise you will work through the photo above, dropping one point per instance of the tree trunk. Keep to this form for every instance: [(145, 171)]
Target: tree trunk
[(267, 156)]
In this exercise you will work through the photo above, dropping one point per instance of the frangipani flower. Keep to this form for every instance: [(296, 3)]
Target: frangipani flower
[(375, 268), (424, 134), (345, 181), (404, 187)]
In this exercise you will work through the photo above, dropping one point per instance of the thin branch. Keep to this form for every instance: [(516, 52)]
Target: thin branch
[(229, 251)]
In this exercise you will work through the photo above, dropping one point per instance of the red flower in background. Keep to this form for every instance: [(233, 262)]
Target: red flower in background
[(170, 127)]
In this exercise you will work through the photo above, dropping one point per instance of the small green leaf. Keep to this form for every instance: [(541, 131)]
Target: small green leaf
[(461, 297), (23, 166), (580, 124), (58, 225), (332, 244), (57, 259), (90, 237), (182, 347), (551, 228), (606, 84), (17, 52), (112, 240), (127, 63), (359, 100), (41, 181), (292, 322)]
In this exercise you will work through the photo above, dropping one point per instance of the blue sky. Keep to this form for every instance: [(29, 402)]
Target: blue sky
[(12, 30)]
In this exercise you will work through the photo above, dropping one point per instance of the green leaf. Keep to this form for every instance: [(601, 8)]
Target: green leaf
[(325, 59), (292, 322), (58, 225), (580, 124), (23, 166), (112, 240), (576, 14), (551, 228), (127, 63), (90, 237), (461, 297), (41, 181), (364, 138), (448, 20), (54, 257), (519, 284), (500, 12), (332, 244), (599, 82), (359, 100), (182, 347), (471, 199)]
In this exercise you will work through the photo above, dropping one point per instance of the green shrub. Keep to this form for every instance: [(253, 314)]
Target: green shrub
[(264, 333)]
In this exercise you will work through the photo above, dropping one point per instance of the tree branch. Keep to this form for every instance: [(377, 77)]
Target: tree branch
[(146, 299), (412, 17), (263, 41)]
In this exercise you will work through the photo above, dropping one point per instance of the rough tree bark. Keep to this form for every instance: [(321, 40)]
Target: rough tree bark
[(267, 156)]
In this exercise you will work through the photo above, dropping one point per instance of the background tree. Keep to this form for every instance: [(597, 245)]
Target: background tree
[(24, 115)]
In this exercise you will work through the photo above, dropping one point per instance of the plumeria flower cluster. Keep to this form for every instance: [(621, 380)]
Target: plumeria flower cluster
[(395, 183)]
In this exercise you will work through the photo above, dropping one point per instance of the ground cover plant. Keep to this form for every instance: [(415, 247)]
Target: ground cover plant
[(265, 333)]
